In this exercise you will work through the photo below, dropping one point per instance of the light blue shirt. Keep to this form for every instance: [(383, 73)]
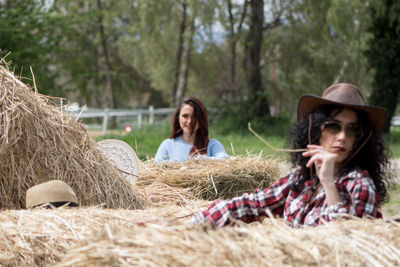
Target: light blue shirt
[(177, 149)]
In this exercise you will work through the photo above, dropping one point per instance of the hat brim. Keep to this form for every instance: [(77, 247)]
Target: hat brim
[(309, 103), (48, 192), (123, 156)]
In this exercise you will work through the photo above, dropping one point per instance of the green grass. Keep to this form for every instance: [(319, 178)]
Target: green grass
[(145, 141), (245, 144), (392, 208), (393, 140)]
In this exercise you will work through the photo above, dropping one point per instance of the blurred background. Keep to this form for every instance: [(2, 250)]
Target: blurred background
[(247, 60)]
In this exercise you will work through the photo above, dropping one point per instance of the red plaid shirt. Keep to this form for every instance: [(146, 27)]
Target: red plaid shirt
[(356, 189)]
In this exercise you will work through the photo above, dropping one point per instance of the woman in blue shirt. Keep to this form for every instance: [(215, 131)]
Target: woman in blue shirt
[(189, 137)]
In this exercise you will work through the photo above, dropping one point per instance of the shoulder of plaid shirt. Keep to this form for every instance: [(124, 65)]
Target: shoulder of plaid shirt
[(356, 189)]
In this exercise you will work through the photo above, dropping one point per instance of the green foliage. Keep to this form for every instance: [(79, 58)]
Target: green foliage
[(320, 43), (149, 45), (236, 120), (384, 56), (313, 44), (393, 139), (26, 38)]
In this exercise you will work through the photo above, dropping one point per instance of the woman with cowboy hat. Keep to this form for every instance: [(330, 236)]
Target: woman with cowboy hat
[(340, 171)]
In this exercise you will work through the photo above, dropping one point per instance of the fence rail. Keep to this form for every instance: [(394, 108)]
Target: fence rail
[(107, 113), (395, 121)]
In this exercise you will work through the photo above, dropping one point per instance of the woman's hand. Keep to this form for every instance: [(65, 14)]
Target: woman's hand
[(324, 162)]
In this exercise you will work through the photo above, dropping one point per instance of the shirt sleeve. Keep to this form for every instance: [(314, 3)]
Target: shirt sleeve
[(359, 198), (247, 208), (162, 152), (217, 150)]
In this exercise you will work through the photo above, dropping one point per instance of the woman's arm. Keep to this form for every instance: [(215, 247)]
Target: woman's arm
[(247, 208), (358, 197), (162, 152), (216, 150), (363, 197)]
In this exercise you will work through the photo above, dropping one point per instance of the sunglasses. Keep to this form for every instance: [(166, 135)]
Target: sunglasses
[(332, 127)]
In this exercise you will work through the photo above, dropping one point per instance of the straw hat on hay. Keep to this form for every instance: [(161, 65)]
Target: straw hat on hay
[(39, 141), (55, 192), (123, 157)]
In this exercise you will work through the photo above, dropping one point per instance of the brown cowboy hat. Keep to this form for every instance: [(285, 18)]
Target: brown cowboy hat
[(344, 95), (51, 192)]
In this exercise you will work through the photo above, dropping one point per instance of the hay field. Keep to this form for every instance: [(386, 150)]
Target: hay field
[(154, 237)]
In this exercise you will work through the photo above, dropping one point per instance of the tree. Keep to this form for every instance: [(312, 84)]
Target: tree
[(384, 56), (251, 64), (27, 40), (316, 44), (94, 71), (104, 46), (186, 32), (234, 35)]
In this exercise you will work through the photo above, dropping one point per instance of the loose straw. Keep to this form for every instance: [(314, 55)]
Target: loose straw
[(272, 147)]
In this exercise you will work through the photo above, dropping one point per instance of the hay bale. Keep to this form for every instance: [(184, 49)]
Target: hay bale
[(38, 237), (159, 194), (343, 243), (113, 237), (39, 143), (211, 179)]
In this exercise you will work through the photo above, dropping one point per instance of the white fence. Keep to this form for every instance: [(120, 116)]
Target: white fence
[(395, 121), (139, 113), (107, 113)]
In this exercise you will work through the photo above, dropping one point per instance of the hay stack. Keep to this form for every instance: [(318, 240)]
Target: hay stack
[(211, 179), (345, 243), (39, 143), (115, 237), (38, 237), (159, 194)]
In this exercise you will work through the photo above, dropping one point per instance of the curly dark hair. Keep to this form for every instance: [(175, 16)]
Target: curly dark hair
[(373, 156)]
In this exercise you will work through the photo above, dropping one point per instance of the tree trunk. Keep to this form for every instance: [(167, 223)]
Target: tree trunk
[(230, 93), (257, 96), (184, 69), (179, 54), (232, 38), (111, 99)]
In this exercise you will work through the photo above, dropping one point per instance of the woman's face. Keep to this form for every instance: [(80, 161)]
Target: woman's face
[(339, 134), (186, 118)]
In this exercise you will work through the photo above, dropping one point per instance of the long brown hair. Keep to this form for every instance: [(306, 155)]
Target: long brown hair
[(200, 116)]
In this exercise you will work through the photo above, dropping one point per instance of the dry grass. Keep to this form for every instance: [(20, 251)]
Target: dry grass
[(39, 143), (160, 194), (351, 243), (105, 237), (38, 236), (211, 179)]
